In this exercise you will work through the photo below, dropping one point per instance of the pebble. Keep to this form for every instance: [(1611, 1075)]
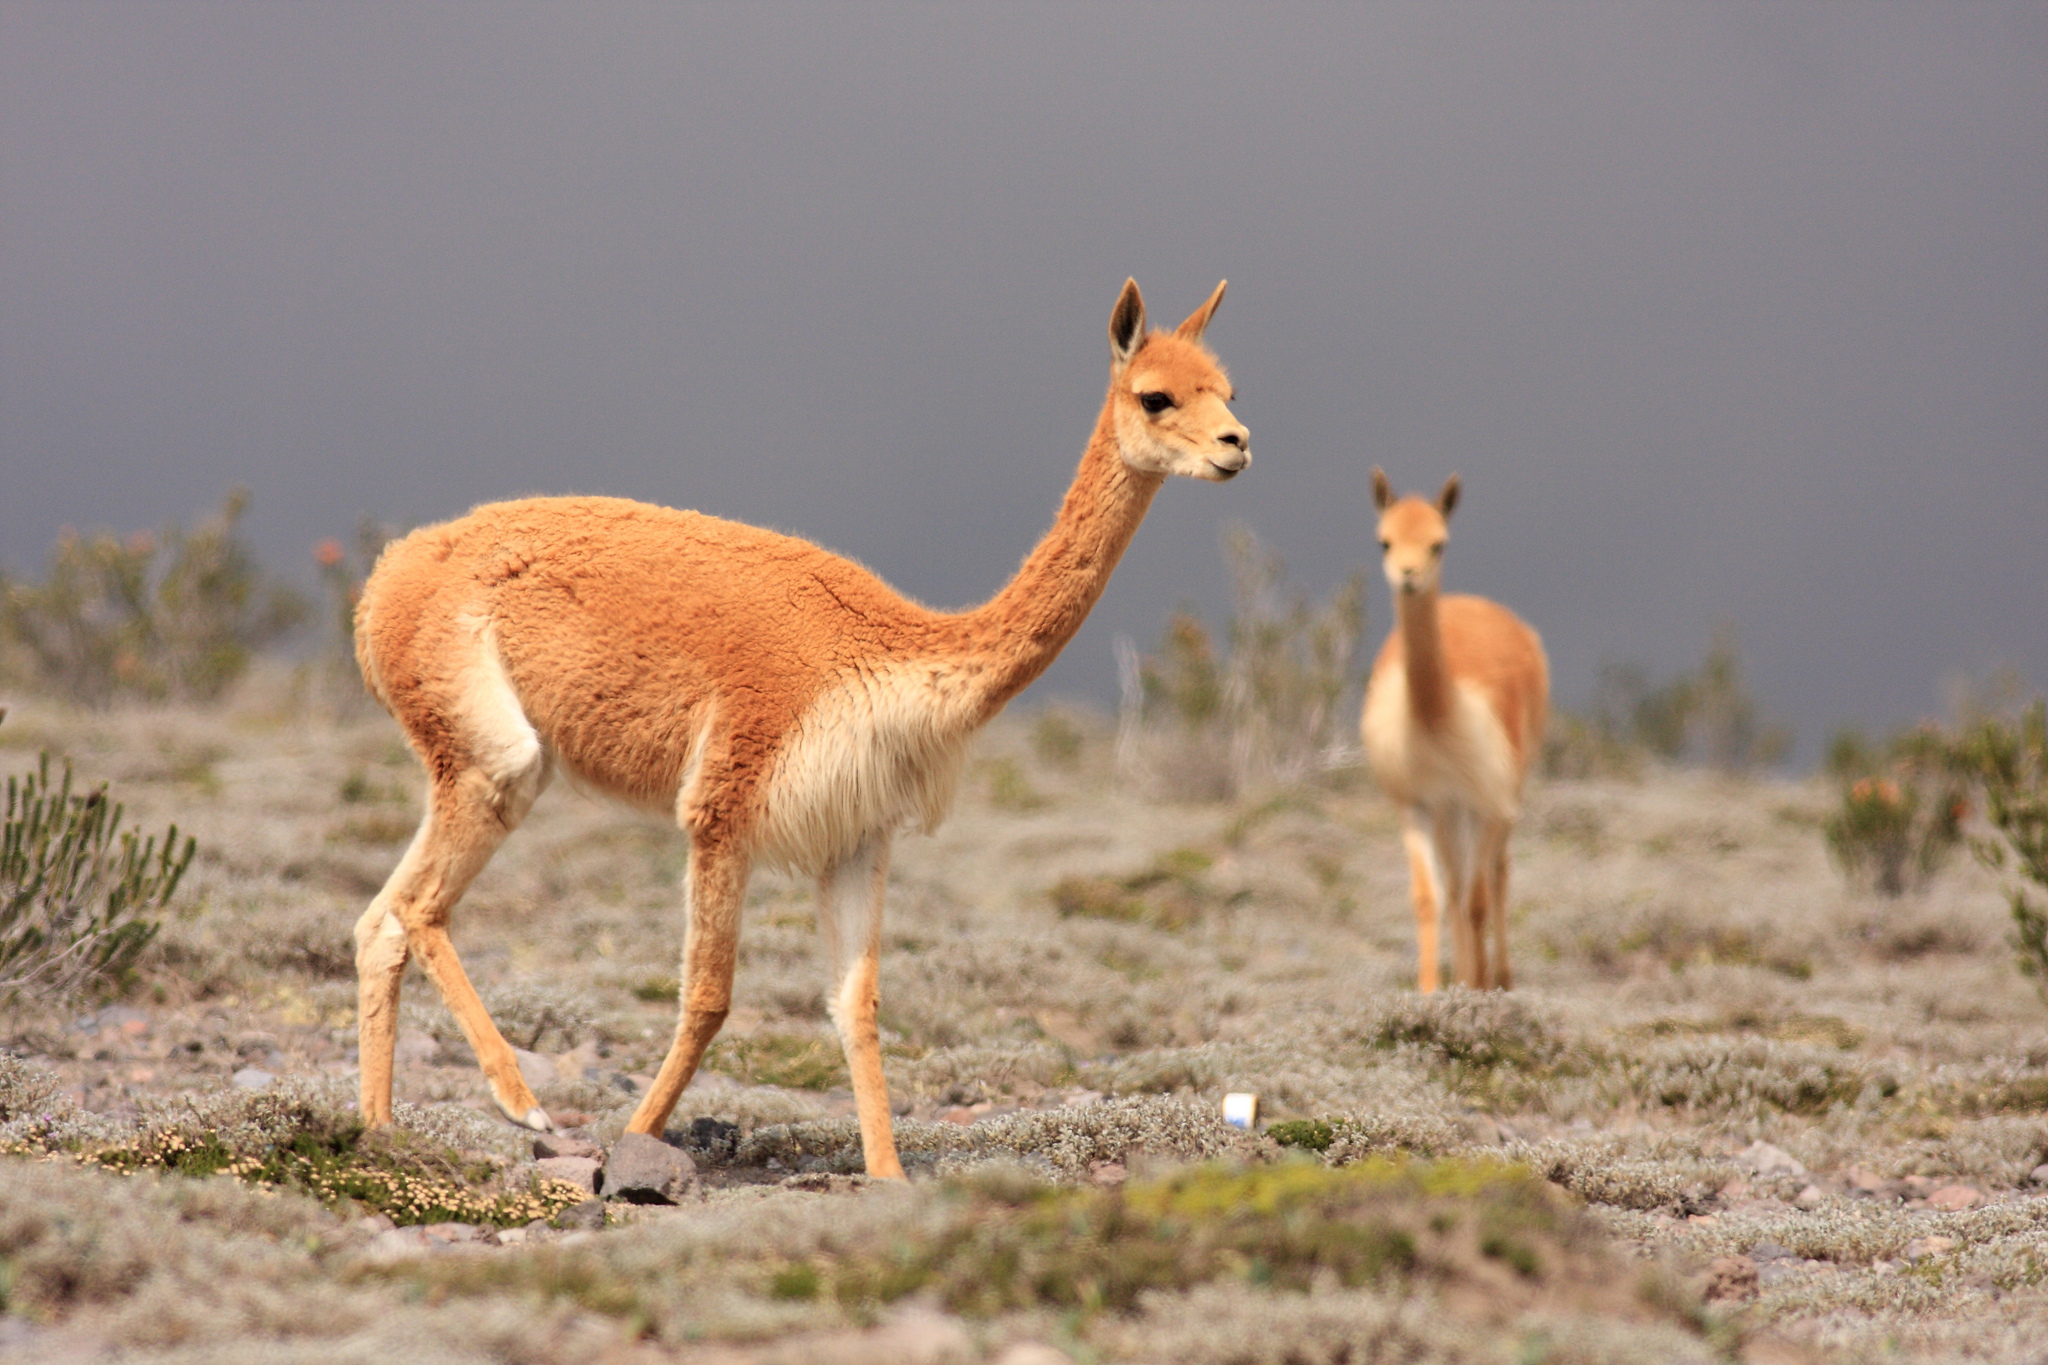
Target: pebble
[(562, 1144), (1954, 1198), (1922, 1248), (252, 1078), (1032, 1353), (1768, 1251), (1810, 1198), (579, 1171), (2039, 1175), (1765, 1159), (586, 1216), (645, 1170)]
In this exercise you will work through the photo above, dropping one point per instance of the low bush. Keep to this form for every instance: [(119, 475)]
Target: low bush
[(1274, 711), (2009, 758), (1901, 809), (146, 618), (77, 890), (1707, 715)]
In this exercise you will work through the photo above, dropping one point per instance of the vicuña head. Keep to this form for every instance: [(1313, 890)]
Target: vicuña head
[(1453, 719), (782, 704)]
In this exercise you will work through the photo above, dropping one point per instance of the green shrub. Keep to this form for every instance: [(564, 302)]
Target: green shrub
[(148, 617), (76, 889), (1705, 716), (1901, 811), (2009, 758)]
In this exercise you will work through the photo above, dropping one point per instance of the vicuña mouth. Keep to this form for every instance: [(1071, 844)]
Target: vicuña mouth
[(1224, 475)]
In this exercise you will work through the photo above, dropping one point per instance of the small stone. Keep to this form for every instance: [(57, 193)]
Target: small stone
[(1865, 1184), (645, 1170), (562, 1144), (375, 1223), (587, 1216), (1925, 1248), (577, 1062), (1810, 1198), (251, 1078), (1032, 1353), (512, 1237), (1954, 1198), (443, 1233), (2039, 1175), (1108, 1173), (959, 1114), (570, 1118), (1764, 1159), (580, 1171), (1768, 1251), (1731, 1277), (538, 1071)]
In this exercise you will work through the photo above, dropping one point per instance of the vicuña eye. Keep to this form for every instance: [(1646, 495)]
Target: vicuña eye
[(1156, 402), (1437, 549), (1386, 545)]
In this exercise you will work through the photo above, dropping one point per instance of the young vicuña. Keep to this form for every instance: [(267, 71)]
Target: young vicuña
[(1453, 718), (782, 704)]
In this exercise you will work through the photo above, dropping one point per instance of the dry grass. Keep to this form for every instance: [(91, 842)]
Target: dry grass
[(1082, 972)]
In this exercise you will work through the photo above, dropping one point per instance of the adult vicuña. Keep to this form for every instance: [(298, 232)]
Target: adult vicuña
[(783, 704), (1453, 717)]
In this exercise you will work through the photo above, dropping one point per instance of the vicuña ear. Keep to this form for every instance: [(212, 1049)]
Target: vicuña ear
[(1382, 491), (1448, 499), (1198, 321), (1127, 323)]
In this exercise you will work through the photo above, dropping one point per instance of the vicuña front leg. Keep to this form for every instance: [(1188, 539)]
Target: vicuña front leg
[(850, 918), (1423, 890), (717, 889)]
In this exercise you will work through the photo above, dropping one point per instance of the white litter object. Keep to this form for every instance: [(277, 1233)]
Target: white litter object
[(1240, 1110)]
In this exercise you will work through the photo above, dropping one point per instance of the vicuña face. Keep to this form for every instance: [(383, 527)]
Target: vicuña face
[(1412, 536), (1173, 412)]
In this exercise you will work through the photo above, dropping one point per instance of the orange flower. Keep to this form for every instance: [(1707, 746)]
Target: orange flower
[(328, 552)]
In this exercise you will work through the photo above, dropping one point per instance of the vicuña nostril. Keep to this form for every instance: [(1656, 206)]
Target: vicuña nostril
[(1232, 438)]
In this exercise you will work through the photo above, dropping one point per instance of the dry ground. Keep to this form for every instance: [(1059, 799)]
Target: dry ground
[(1075, 973)]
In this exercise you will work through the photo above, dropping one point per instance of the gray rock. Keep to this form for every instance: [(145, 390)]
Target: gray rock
[(646, 1170), (1768, 1251), (586, 1216), (250, 1078), (2039, 1175), (1810, 1198), (561, 1144), (1764, 1159), (579, 1171)]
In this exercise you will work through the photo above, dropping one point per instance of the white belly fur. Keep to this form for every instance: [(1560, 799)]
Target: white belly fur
[(1467, 763), (878, 751)]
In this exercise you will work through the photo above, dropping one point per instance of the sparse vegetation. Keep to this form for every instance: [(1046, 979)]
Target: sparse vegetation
[(1695, 977), (2009, 757), (1901, 810), (146, 617), (1276, 711), (77, 890), (1707, 715)]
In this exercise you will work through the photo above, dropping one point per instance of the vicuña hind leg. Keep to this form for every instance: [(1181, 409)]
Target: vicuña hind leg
[(1454, 851), (717, 888), (467, 819), (850, 917), (1497, 907)]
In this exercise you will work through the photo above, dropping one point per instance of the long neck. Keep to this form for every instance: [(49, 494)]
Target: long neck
[(1422, 649), (1019, 631)]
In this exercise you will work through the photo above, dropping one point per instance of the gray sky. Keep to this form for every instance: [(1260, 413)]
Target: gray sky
[(1723, 311)]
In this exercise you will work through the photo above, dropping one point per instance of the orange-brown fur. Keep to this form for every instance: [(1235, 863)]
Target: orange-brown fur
[(1453, 718), (783, 703)]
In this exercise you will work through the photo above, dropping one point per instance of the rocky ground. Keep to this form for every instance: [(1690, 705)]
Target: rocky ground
[(1734, 1108)]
